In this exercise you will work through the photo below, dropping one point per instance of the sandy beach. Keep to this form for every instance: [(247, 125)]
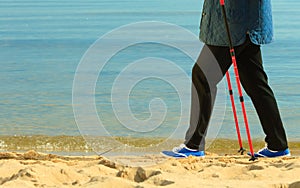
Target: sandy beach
[(34, 169)]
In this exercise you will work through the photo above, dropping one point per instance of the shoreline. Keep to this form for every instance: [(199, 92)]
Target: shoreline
[(77, 145)]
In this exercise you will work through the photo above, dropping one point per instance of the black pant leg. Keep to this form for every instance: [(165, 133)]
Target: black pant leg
[(255, 82), (207, 72)]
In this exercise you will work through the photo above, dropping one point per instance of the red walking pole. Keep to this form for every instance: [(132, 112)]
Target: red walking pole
[(232, 54), (241, 150)]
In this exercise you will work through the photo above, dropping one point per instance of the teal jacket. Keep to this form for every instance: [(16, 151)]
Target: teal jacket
[(253, 17)]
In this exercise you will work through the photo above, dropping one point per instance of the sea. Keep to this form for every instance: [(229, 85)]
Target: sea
[(43, 44)]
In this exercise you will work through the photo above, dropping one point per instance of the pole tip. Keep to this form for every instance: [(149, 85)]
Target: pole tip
[(222, 2), (242, 150), (253, 158)]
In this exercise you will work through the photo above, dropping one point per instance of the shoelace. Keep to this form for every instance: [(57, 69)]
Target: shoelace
[(176, 149)]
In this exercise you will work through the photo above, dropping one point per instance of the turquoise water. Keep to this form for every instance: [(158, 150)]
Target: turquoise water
[(42, 42)]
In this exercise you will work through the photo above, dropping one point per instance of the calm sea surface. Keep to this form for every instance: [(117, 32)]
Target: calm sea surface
[(42, 43)]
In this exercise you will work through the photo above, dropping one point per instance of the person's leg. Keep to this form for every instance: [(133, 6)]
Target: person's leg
[(206, 74), (255, 83), (201, 108)]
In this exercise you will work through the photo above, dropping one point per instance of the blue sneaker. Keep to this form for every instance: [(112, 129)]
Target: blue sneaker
[(265, 152), (182, 152)]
